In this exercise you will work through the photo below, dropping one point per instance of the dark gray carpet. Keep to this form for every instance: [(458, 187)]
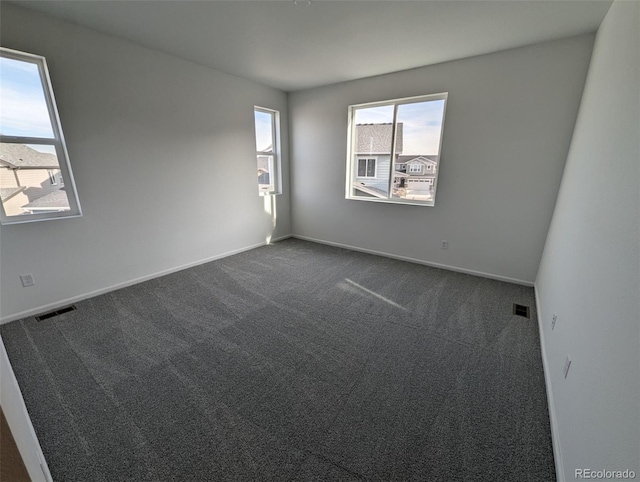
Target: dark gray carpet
[(293, 361)]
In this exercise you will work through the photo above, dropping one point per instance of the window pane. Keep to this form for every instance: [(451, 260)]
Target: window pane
[(403, 168), (371, 168), (418, 147), (23, 108), (266, 177), (267, 130), (264, 131), (30, 180), (31, 174), (373, 135), (267, 146)]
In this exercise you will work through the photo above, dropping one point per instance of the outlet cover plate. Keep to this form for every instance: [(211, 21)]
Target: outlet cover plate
[(27, 280)]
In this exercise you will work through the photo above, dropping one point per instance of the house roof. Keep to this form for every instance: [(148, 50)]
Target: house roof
[(423, 159), (8, 192), (373, 191), (20, 156), (400, 174), (54, 200), (263, 163), (376, 138)]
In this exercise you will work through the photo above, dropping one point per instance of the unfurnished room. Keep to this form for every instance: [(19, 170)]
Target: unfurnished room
[(317, 240)]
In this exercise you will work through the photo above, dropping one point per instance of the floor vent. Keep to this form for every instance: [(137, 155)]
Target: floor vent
[(521, 310), (51, 314)]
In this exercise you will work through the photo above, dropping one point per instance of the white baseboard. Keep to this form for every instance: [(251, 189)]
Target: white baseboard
[(555, 437), (418, 261), (90, 294)]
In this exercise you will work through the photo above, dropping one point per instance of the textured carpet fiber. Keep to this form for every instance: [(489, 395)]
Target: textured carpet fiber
[(293, 361)]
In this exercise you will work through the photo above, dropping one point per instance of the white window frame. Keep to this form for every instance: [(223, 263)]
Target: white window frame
[(415, 165), (57, 141), (367, 159), (352, 157), (276, 174)]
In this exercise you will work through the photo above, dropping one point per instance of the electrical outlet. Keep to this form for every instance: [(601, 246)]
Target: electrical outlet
[(553, 321), (567, 364), (445, 244), (27, 280)]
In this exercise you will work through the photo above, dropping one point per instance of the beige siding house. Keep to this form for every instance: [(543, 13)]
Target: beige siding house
[(27, 176)]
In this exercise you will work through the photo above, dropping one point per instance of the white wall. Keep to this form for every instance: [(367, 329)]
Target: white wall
[(163, 154), (509, 121), (590, 270)]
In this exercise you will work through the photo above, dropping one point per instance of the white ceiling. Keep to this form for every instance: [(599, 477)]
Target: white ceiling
[(293, 47)]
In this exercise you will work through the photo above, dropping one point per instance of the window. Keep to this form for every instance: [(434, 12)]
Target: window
[(267, 127), (32, 148), (366, 168), (394, 150)]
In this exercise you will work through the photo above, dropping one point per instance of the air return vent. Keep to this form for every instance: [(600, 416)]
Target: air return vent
[(521, 310), (59, 311)]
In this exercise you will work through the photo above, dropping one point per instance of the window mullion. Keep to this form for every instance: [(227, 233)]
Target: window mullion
[(28, 140), (392, 161)]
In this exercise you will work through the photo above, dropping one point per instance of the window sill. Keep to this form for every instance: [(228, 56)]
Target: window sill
[(409, 202), (29, 219)]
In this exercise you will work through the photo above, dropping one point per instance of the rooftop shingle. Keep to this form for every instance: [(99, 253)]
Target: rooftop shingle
[(20, 156), (54, 200), (376, 138), (7, 192)]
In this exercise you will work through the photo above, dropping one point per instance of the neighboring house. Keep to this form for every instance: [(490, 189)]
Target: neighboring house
[(373, 157), (414, 176), (13, 198), (26, 175), (265, 168), (52, 202)]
